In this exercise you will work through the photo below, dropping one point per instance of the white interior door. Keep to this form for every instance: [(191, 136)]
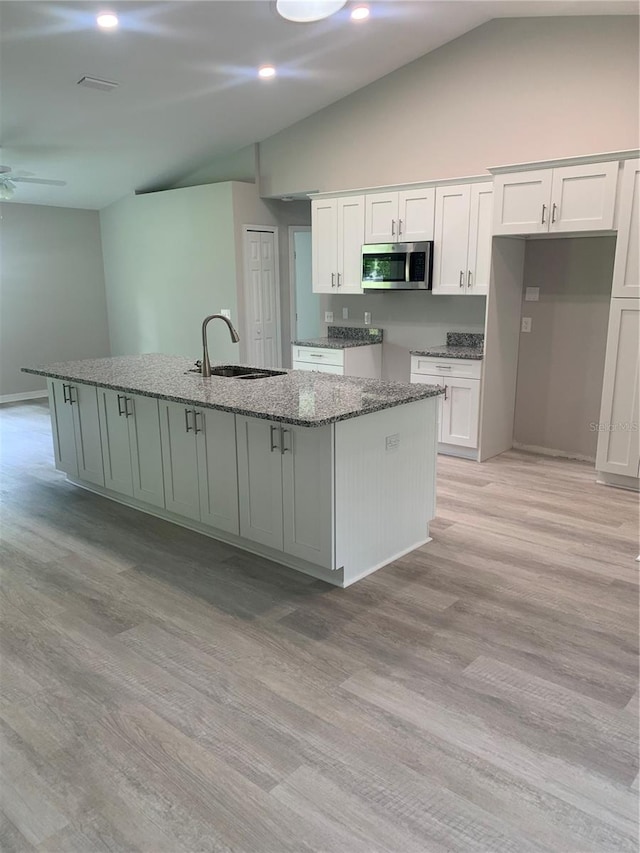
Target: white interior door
[(261, 299), (306, 319)]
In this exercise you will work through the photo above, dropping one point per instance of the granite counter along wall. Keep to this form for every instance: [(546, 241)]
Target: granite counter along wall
[(410, 320)]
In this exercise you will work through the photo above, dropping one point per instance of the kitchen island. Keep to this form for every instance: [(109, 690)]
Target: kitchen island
[(333, 476)]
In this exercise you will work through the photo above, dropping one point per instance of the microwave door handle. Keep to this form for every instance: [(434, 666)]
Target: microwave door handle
[(407, 267)]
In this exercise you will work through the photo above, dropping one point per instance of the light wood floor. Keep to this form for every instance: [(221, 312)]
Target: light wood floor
[(162, 692)]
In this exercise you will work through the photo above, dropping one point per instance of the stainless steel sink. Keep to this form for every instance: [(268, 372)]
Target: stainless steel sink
[(236, 371)]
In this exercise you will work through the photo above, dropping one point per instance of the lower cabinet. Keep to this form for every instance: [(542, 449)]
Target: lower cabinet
[(459, 412), (285, 488), (76, 430), (199, 463), (618, 450), (131, 449), (364, 361)]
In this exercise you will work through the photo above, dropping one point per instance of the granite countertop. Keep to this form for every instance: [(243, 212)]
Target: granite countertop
[(458, 345), (304, 398), (344, 337)]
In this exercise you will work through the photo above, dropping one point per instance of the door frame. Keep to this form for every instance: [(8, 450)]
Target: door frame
[(292, 278), (272, 229)]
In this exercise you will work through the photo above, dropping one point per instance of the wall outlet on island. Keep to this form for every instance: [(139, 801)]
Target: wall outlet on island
[(367, 317), (328, 316)]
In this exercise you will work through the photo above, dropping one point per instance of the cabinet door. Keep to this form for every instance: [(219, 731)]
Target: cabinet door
[(626, 270), (116, 455), (350, 240), (307, 493), (480, 239), (180, 460), (86, 421), (324, 245), (426, 379), (415, 214), (521, 202), (146, 449), (260, 481), (218, 470), (583, 197), (451, 239), (64, 439), (381, 218), (618, 449), (460, 412)]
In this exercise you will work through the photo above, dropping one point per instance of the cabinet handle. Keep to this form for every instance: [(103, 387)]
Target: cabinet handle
[(393, 228), (283, 448), (461, 278), (399, 227), (186, 420), (339, 279), (443, 366), (64, 393), (128, 413), (553, 212), (272, 432), (71, 400), (446, 388), (333, 279), (544, 209), (197, 414), (122, 411), (469, 279)]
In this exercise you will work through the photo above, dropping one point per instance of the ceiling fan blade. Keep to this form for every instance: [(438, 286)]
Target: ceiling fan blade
[(15, 179)]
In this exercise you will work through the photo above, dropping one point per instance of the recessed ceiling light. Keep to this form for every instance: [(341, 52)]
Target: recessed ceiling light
[(305, 11), (360, 13), (107, 20), (266, 72)]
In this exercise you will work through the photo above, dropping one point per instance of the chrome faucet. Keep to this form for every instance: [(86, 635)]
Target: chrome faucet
[(235, 337)]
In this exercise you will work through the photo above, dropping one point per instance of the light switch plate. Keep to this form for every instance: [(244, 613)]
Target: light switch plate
[(526, 324), (328, 316), (367, 317), (532, 294), (345, 313)]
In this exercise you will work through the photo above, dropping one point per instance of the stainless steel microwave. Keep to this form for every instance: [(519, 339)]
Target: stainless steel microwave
[(397, 266)]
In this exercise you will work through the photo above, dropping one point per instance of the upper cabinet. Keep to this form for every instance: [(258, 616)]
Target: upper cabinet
[(337, 238), (399, 217), (462, 240), (565, 199), (626, 270)]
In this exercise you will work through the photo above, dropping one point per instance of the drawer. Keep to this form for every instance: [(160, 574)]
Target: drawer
[(318, 355), (318, 368), (460, 367)]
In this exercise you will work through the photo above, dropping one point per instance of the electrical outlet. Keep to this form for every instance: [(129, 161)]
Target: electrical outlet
[(367, 317), (532, 294), (226, 312), (345, 313), (328, 316), (392, 442), (526, 324)]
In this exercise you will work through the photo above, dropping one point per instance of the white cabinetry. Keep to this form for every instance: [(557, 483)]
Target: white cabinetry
[(618, 450), (337, 238), (76, 430), (394, 217), (565, 199), (131, 451), (460, 405), (286, 488), (199, 462), (462, 242), (364, 361), (626, 269)]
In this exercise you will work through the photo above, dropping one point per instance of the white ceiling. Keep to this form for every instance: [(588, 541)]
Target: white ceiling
[(188, 90)]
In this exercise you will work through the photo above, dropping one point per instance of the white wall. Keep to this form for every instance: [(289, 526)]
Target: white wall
[(510, 91), (561, 361), (238, 166), (409, 321), (52, 294), (169, 261)]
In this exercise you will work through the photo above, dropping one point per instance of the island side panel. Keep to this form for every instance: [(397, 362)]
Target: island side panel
[(385, 485)]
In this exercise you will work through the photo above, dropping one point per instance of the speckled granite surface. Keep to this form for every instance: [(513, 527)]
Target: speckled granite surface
[(459, 345), (304, 398), (344, 337)]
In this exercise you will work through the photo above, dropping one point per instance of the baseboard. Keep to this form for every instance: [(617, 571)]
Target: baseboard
[(458, 450), (548, 451), (24, 395), (618, 481)]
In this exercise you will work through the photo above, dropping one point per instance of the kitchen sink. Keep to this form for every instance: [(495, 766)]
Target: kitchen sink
[(236, 371)]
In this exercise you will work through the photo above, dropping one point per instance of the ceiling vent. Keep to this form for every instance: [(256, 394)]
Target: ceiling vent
[(97, 83)]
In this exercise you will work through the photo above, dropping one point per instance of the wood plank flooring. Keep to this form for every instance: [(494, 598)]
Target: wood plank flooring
[(164, 692)]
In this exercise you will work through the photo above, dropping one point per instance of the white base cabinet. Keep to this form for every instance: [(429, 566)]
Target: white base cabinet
[(76, 430), (459, 413), (365, 361), (618, 450)]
